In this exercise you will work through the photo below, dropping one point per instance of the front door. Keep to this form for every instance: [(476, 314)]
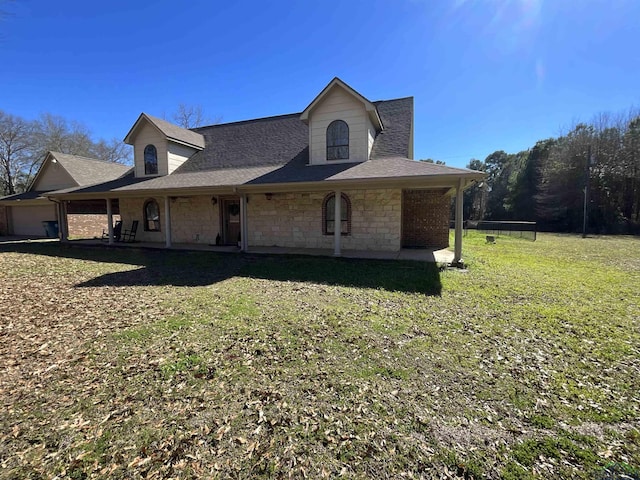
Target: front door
[(231, 221)]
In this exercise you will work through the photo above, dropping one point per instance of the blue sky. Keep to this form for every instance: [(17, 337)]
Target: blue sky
[(486, 75)]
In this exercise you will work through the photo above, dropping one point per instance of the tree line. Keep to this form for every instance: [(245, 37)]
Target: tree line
[(24, 145), (548, 183)]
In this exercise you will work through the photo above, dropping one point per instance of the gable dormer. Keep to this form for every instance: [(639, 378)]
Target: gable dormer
[(160, 147), (342, 125)]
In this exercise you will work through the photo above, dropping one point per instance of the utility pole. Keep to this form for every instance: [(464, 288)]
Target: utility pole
[(586, 193)]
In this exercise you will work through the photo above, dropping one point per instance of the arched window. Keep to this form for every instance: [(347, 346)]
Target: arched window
[(150, 160), (329, 212), (338, 140), (151, 216)]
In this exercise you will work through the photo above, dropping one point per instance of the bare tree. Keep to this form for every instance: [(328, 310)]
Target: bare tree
[(112, 151), (15, 140), (24, 145), (192, 116), (189, 116)]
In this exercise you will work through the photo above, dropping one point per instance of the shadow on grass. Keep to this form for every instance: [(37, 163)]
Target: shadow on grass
[(193, 268)]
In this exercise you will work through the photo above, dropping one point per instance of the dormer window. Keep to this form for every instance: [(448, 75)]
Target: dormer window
[(338, 140), (150, 160)]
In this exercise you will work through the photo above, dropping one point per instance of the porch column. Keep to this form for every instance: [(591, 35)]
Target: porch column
[(337, 224), (110, 220), (458, 236), (167, 222), (62, 222), (244, 242)]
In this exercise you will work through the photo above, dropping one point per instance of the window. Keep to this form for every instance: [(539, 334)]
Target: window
[(150, 160), (329, 212), (151, 216), (338, 140)]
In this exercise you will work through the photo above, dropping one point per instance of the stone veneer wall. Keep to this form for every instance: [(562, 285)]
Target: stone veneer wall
[(193, 219), (4, 220), (82, 225), (295, 220), (425, 218)]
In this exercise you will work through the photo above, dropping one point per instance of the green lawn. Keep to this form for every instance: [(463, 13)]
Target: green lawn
[(149, 364)]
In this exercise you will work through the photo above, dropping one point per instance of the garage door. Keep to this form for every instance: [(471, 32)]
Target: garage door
[(27, 221)]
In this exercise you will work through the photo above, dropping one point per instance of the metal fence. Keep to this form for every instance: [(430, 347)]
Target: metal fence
[(526, 230)]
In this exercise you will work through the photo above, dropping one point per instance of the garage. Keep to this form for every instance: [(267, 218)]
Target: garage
[(27, 220)]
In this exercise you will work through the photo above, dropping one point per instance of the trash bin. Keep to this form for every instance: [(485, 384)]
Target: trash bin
[(50, 228)]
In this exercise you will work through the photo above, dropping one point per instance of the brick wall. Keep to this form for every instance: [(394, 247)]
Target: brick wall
[(295, 220), (425, 218), (87, 225), (4, 220)]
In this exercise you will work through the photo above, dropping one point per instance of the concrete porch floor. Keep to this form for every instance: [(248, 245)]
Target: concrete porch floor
[(443, 256)]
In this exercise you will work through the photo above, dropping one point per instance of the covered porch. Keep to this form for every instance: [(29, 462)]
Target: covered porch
[(370, 221)]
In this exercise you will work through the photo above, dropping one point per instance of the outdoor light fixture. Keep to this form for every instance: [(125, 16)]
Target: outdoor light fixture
[(269, 196), (214, 200)]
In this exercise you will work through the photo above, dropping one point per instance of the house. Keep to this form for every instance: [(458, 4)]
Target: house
[(338, 175), (22, 214)]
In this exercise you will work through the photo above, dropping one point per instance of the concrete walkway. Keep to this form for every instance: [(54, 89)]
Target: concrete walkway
[(442, 257)]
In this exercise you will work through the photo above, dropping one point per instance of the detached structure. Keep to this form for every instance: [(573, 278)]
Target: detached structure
[(23, 214), (338, 175)]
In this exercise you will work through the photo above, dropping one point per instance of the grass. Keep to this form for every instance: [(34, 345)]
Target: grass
[(139, 364)]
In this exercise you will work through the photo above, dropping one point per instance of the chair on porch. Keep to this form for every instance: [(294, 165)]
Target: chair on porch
[(117, 230), (130, 235)]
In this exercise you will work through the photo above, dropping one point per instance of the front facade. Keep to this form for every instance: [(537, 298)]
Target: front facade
[(339, 175)]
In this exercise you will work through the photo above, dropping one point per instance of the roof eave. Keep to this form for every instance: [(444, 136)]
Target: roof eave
[(187, 144), (445, 181)]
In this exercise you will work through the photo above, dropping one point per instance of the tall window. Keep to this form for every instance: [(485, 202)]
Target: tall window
[(151, 216), (150, 160), (329, 215), (338, 140)]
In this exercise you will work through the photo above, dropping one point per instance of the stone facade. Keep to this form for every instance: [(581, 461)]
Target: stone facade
[(295, 220), (193, 219), (381, 219), (4, 220), (425, 218)]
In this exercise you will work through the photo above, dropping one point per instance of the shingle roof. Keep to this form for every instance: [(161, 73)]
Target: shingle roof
[(281, 139), (264, 141), (397, 118), (171, 131), (127, 179), (30, 195), (87, 171), (275, 150)]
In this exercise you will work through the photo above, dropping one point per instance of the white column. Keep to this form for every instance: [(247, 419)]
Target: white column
[(110, 220), (458, 236), (244, 243), (167, 222), (337, 224)]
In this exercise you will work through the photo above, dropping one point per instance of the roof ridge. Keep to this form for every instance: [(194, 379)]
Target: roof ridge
[(393, 99), (239, 122), (88, 158), (273, 117)]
